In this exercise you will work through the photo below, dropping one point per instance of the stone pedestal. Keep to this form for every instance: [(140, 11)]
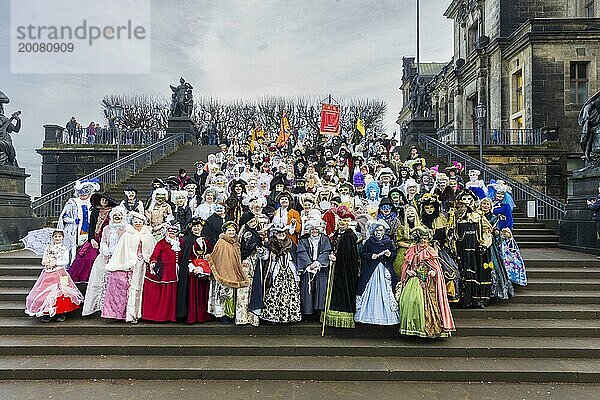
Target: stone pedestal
[(577, 229), (177, 125), (421, 125), (16, 214)]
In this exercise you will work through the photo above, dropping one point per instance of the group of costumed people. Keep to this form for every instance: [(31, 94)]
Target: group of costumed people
[(261, 234)]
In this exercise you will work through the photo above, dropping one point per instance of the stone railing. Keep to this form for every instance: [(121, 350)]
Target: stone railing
[(492, 137), (50, 205), (546, 207), (108, 136)]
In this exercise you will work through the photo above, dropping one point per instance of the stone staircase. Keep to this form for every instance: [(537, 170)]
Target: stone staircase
[(528, 232), (549, 333), (184, 157)]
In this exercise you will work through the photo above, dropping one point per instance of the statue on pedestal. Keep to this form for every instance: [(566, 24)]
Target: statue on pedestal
[(589, 120), (182, 101), (420, 98), (8, 154)]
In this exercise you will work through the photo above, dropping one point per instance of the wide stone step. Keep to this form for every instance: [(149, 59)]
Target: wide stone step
[(216, 345), (71, 389), (13, 294), (526, 244), (22, 270), (459, 369), (521, 239), (465, 327), (17, 281), (557, 297), (532, 232), (511, 310), (584, 283), (503, 310), (569, 273)]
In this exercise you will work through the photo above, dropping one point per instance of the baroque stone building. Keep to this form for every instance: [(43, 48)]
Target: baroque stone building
[(532, 64)]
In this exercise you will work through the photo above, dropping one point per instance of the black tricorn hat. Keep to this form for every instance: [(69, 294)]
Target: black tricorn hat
[(284, 194), (95, 199), (159, 181), (247, 216)]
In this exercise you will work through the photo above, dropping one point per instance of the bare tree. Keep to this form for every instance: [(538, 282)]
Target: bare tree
[(140, 111), (236, 118)]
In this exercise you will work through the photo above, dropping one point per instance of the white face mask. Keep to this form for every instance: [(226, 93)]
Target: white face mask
[(379, 232)]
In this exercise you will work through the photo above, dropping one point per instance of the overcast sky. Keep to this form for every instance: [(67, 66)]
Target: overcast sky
[(244, 48)]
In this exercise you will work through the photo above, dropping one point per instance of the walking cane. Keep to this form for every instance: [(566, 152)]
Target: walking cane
[(327, 296)]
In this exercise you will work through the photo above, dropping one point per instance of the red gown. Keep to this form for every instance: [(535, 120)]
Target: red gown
[(159, 299), (198, 288)]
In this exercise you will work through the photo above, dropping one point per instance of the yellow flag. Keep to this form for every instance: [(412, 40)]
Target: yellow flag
[(360, 126), (284, 132)]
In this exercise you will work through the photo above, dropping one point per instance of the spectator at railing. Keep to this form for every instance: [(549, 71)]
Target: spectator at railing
[(91, 133)]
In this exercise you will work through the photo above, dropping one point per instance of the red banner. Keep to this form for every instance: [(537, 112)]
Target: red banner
[(330, 119)]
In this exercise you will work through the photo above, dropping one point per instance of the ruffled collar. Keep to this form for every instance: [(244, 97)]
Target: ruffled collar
[(175, 245)]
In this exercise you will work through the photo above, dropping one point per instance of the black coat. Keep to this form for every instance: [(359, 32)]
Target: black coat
[(345, 273), (213, 229)]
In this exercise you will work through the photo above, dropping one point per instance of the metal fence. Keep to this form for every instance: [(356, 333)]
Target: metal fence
[(51, 205), (546, 207), (110, 136), (492, 137)]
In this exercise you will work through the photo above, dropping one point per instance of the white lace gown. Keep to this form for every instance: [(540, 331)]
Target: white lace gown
[(96, 289)]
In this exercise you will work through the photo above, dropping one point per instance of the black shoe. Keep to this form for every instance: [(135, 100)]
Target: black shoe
[(225, 320), (61, 317), (45, 318)]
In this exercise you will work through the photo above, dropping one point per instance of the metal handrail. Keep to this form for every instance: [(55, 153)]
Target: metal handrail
[(51, 204), (546, 207)]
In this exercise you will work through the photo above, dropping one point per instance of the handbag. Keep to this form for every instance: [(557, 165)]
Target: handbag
[(203, 264)]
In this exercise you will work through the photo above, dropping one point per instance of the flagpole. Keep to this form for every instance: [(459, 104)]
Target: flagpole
[(418, 38)]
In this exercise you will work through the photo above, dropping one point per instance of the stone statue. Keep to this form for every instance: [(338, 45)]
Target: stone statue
[(589, 120), (420, 98), (8, 154), (182, 101)]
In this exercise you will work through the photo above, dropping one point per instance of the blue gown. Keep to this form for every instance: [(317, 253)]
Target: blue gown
[(375, 301)]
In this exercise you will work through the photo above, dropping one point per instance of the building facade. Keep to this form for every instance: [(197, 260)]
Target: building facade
[(532, 64)]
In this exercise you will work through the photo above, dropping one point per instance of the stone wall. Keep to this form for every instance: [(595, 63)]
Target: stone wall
[(62, 164), (515, 12), (551, 86), (543, 168)]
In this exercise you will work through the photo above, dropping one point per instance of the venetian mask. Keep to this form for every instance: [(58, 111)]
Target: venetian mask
[(379, 232), (343, 223), (161, 198), (429, 209), (467, 201)]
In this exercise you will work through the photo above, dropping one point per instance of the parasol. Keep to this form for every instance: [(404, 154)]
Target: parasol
[(39, 239)]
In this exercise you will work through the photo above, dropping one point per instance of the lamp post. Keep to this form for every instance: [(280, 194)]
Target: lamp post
[(116, 113), (480, 113)]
